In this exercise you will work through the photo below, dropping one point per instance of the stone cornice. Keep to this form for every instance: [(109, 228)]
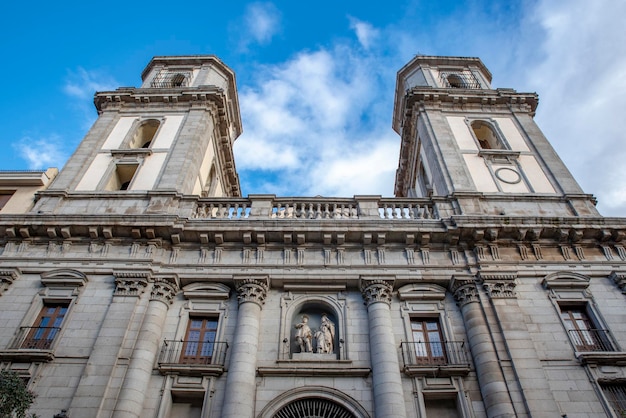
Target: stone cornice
[(189, 96), (507, 97)]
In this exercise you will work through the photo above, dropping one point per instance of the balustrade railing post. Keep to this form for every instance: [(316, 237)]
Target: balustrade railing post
[(261, 205), (368, 206)]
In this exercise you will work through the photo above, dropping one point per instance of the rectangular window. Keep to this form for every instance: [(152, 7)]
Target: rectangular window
[(199, 341), (428, 341), (5, 196), (585, 335), (121, 177), (47, 325), (615, 394)]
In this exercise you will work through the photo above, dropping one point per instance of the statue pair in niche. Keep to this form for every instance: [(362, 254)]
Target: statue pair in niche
[(324, 336)]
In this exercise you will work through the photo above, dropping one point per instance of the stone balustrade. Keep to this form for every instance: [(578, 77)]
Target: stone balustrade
[(318, 208)]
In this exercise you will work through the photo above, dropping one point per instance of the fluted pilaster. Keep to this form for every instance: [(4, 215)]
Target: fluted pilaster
[(132, 394)]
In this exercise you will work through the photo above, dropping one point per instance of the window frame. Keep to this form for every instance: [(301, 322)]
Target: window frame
[(44, 340), (199, 345)]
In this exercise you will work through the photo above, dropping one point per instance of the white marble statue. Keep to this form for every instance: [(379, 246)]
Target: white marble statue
[(304, 335)]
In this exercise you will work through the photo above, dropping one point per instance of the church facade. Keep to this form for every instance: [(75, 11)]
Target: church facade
[(138, 282)]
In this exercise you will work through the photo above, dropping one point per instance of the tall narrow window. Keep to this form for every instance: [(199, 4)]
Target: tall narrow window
[(615, 394), (584, 334), (46, 327), (486, 135), (428, 341), (144, 134), (5, 196), (121, 177), (199, 341)]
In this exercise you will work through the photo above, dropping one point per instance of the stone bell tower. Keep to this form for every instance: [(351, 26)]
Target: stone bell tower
[(173, 135), (476, 145)]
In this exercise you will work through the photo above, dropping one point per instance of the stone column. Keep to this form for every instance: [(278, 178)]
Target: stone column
[(240, 381), (129, 285), (132, 394), (388, 394), (493, 387)]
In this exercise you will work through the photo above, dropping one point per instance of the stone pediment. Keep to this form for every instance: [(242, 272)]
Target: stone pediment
[(566, 280), (420, 291), (206, 291), (63, 278)]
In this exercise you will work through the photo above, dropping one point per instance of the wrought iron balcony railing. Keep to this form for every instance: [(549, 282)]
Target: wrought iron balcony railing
[(591, 340), (35, 338), (418, 354), (193, 353)]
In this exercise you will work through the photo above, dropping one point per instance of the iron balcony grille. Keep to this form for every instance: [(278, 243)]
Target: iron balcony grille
[(193, 352), (461, 80), (428, 354), (615, 393), (35, 338), (591, 340), (171, 79)]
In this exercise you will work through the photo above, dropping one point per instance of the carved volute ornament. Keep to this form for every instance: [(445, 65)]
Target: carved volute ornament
[(376, 290), (464, 290), (163, 290), (252, 290)]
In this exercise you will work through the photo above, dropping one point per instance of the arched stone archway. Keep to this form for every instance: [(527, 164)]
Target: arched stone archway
[(313, 402)]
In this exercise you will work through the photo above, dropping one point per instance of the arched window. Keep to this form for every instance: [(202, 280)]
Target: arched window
[(178, 80), (486, 135), (144, 134), (455, 81)]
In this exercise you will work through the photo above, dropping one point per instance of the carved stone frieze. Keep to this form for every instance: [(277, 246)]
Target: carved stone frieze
[(252, 289), (377, 290)]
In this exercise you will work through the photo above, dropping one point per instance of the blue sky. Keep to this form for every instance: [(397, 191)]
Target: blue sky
[(316, 80)]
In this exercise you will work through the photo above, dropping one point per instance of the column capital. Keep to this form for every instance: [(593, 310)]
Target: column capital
[(7, 276), (376, 289), (499, 285), (252, 289), (164, 289), (464, 289), (131, 282)]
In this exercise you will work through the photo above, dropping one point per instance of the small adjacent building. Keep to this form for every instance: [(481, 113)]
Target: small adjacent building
[(141, 283)]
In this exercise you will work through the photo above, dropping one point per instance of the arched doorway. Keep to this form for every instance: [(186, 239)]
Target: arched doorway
[(313, 408)]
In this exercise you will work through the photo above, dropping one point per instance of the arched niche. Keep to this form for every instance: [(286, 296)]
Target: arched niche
[(344, 406), (314, 307)]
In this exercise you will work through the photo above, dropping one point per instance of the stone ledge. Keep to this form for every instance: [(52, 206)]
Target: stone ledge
[(27, 355), (337, 368)]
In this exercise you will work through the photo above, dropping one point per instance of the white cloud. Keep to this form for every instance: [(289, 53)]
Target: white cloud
[(82, 84), (262, 22), (311, 126), (581, 80), (41, 153), (365, 32)]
